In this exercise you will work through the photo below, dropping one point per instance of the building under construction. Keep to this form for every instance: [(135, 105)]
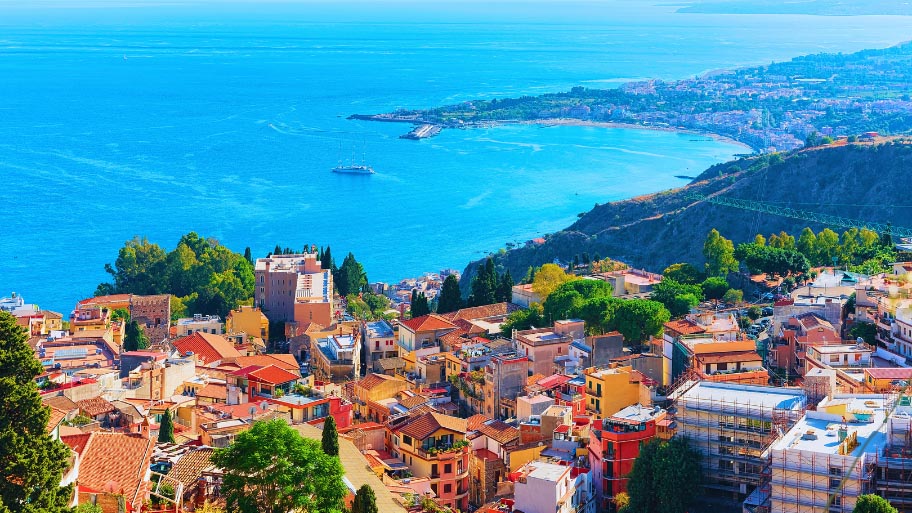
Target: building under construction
[(893, 472), (733, 426)]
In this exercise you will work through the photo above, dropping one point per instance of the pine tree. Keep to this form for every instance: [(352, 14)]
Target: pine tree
[(505, 288), (166, 429), (365, 501), (134, 338), (330, 437), (450, 298), (248, 255), (31, 462), (277, 250), (326, 261), (419, 304)]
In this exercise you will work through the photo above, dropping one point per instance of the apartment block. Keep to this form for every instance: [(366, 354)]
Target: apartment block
[(294, 288)]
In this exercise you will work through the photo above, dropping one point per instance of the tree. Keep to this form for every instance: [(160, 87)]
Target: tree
[(759, 240), (827, 246), (569, 297), (248, 256), (733, 296), (864, 330), (419, 304), (139, 267), (326, 261), (365, 501), (523, 319), (807, 244), (714, 288), (350, 278), (754, 313), (271, 468), (678, 298), (31, 462), (450, 298), (871, 503), (665, 477), (638, 319), (120, 314), (683, 273), (166, 429), (548, 278), (504, 292), (720, 255), (134, 338), (330, 439), (484, 285), (88, 507)]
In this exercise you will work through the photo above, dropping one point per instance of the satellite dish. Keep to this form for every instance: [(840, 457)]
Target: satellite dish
[(263, 405), (859, 340), (252, 410)]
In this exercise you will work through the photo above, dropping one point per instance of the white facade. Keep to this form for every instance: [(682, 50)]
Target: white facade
[(549, 488), (200, 323)]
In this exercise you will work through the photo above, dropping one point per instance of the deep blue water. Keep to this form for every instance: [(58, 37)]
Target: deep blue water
[(226, 119)]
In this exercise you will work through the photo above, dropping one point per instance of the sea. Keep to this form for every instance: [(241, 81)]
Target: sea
[(153, 119)]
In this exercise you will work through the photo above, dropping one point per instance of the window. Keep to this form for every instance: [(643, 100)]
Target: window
[(448, 468), (407, 440), (835, 471), (834, 482), (447, 488), (434, 470), (834, 358)]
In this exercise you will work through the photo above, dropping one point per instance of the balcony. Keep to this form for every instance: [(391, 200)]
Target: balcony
[(569, 398), (444, 452)]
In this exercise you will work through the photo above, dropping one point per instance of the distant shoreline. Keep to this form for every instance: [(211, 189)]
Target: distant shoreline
[(635, 126)]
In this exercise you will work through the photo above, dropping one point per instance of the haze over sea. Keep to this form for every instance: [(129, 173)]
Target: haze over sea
[(123, 119)]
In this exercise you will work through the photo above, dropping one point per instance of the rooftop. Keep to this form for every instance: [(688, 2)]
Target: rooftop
[(818, 431), (746, 395), (638, 413), (379, 329), (545, 471)]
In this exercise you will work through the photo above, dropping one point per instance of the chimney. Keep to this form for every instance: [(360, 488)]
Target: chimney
[(202, 489)]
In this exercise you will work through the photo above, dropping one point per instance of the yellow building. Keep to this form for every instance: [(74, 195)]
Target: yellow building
[(249, 320), (610, 390), (373, 388), (886, 379)]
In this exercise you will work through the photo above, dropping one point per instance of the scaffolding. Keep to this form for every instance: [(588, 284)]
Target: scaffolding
[(734, 434), (815, 482), (893, 478)]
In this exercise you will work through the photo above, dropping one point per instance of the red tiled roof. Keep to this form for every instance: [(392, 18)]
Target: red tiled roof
[(76, 442), (116, 462), (413, 401), (553, 381), (244, 372), (476, 420), (889, 372), (430, 322), (57, 416), (61, 402), (95, 406), (207, 347), (103, 300), (740, 356), (483, 312), (499, 431), (213, 391), (284, 361), (273, 375), (426, 424), (190, 466), (373, 380), (684, 327)]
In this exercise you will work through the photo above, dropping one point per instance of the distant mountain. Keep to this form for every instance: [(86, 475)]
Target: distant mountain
[(858, 181), (813, 7)]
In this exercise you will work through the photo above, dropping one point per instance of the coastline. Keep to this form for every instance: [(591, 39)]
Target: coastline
[(634, 126)]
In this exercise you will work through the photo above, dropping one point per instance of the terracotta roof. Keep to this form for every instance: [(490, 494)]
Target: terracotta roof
[(740, 356), (76, 442), (553, 381), (57, 416), (373, 380), (430, 322), (116, 462), (413, 401), (483, 312), (213, 391), (103, 300), (476, 420), (284, 361), (207, 347), (50, 314), (535, 378), (469, 327), (95, 406), (190, 466), (426, 424), (273, 375), (454, 337), (499, 431), (684, 327), (60, 402), (810, 321), (891, 373)]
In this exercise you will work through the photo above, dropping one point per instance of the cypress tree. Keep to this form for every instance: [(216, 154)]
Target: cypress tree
[(31, 462), (330, 438), (166, 429), (326, 261), (450, 297), (365, 501), (505, 288), (248, 255), (134, 338)]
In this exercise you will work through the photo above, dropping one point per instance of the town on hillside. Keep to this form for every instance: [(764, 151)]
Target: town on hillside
[(587, 387)]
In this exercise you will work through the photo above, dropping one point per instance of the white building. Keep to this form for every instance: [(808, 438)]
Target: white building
[(379, 341), (733, 426), (548, 488), (842, 356), (211, 324), (828, 458)]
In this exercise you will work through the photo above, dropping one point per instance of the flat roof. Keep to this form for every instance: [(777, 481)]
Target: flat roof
[(379, 329), (841, 348), (818, 431), (547, 471), (747, 395), (638, 413)]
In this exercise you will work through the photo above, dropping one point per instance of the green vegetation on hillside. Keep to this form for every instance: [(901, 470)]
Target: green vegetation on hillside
[(203, 275)]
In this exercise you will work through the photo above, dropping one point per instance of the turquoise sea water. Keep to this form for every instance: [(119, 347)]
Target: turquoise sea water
[(226, 119)]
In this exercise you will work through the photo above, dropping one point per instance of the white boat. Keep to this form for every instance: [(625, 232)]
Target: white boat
[(354, 169)]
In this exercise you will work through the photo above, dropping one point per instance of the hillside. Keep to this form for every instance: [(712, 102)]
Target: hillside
[(859, 181)]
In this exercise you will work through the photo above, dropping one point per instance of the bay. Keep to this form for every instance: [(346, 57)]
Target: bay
[(225, 119)]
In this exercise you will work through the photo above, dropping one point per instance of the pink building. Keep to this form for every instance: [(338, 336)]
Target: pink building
[(294, 288)]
